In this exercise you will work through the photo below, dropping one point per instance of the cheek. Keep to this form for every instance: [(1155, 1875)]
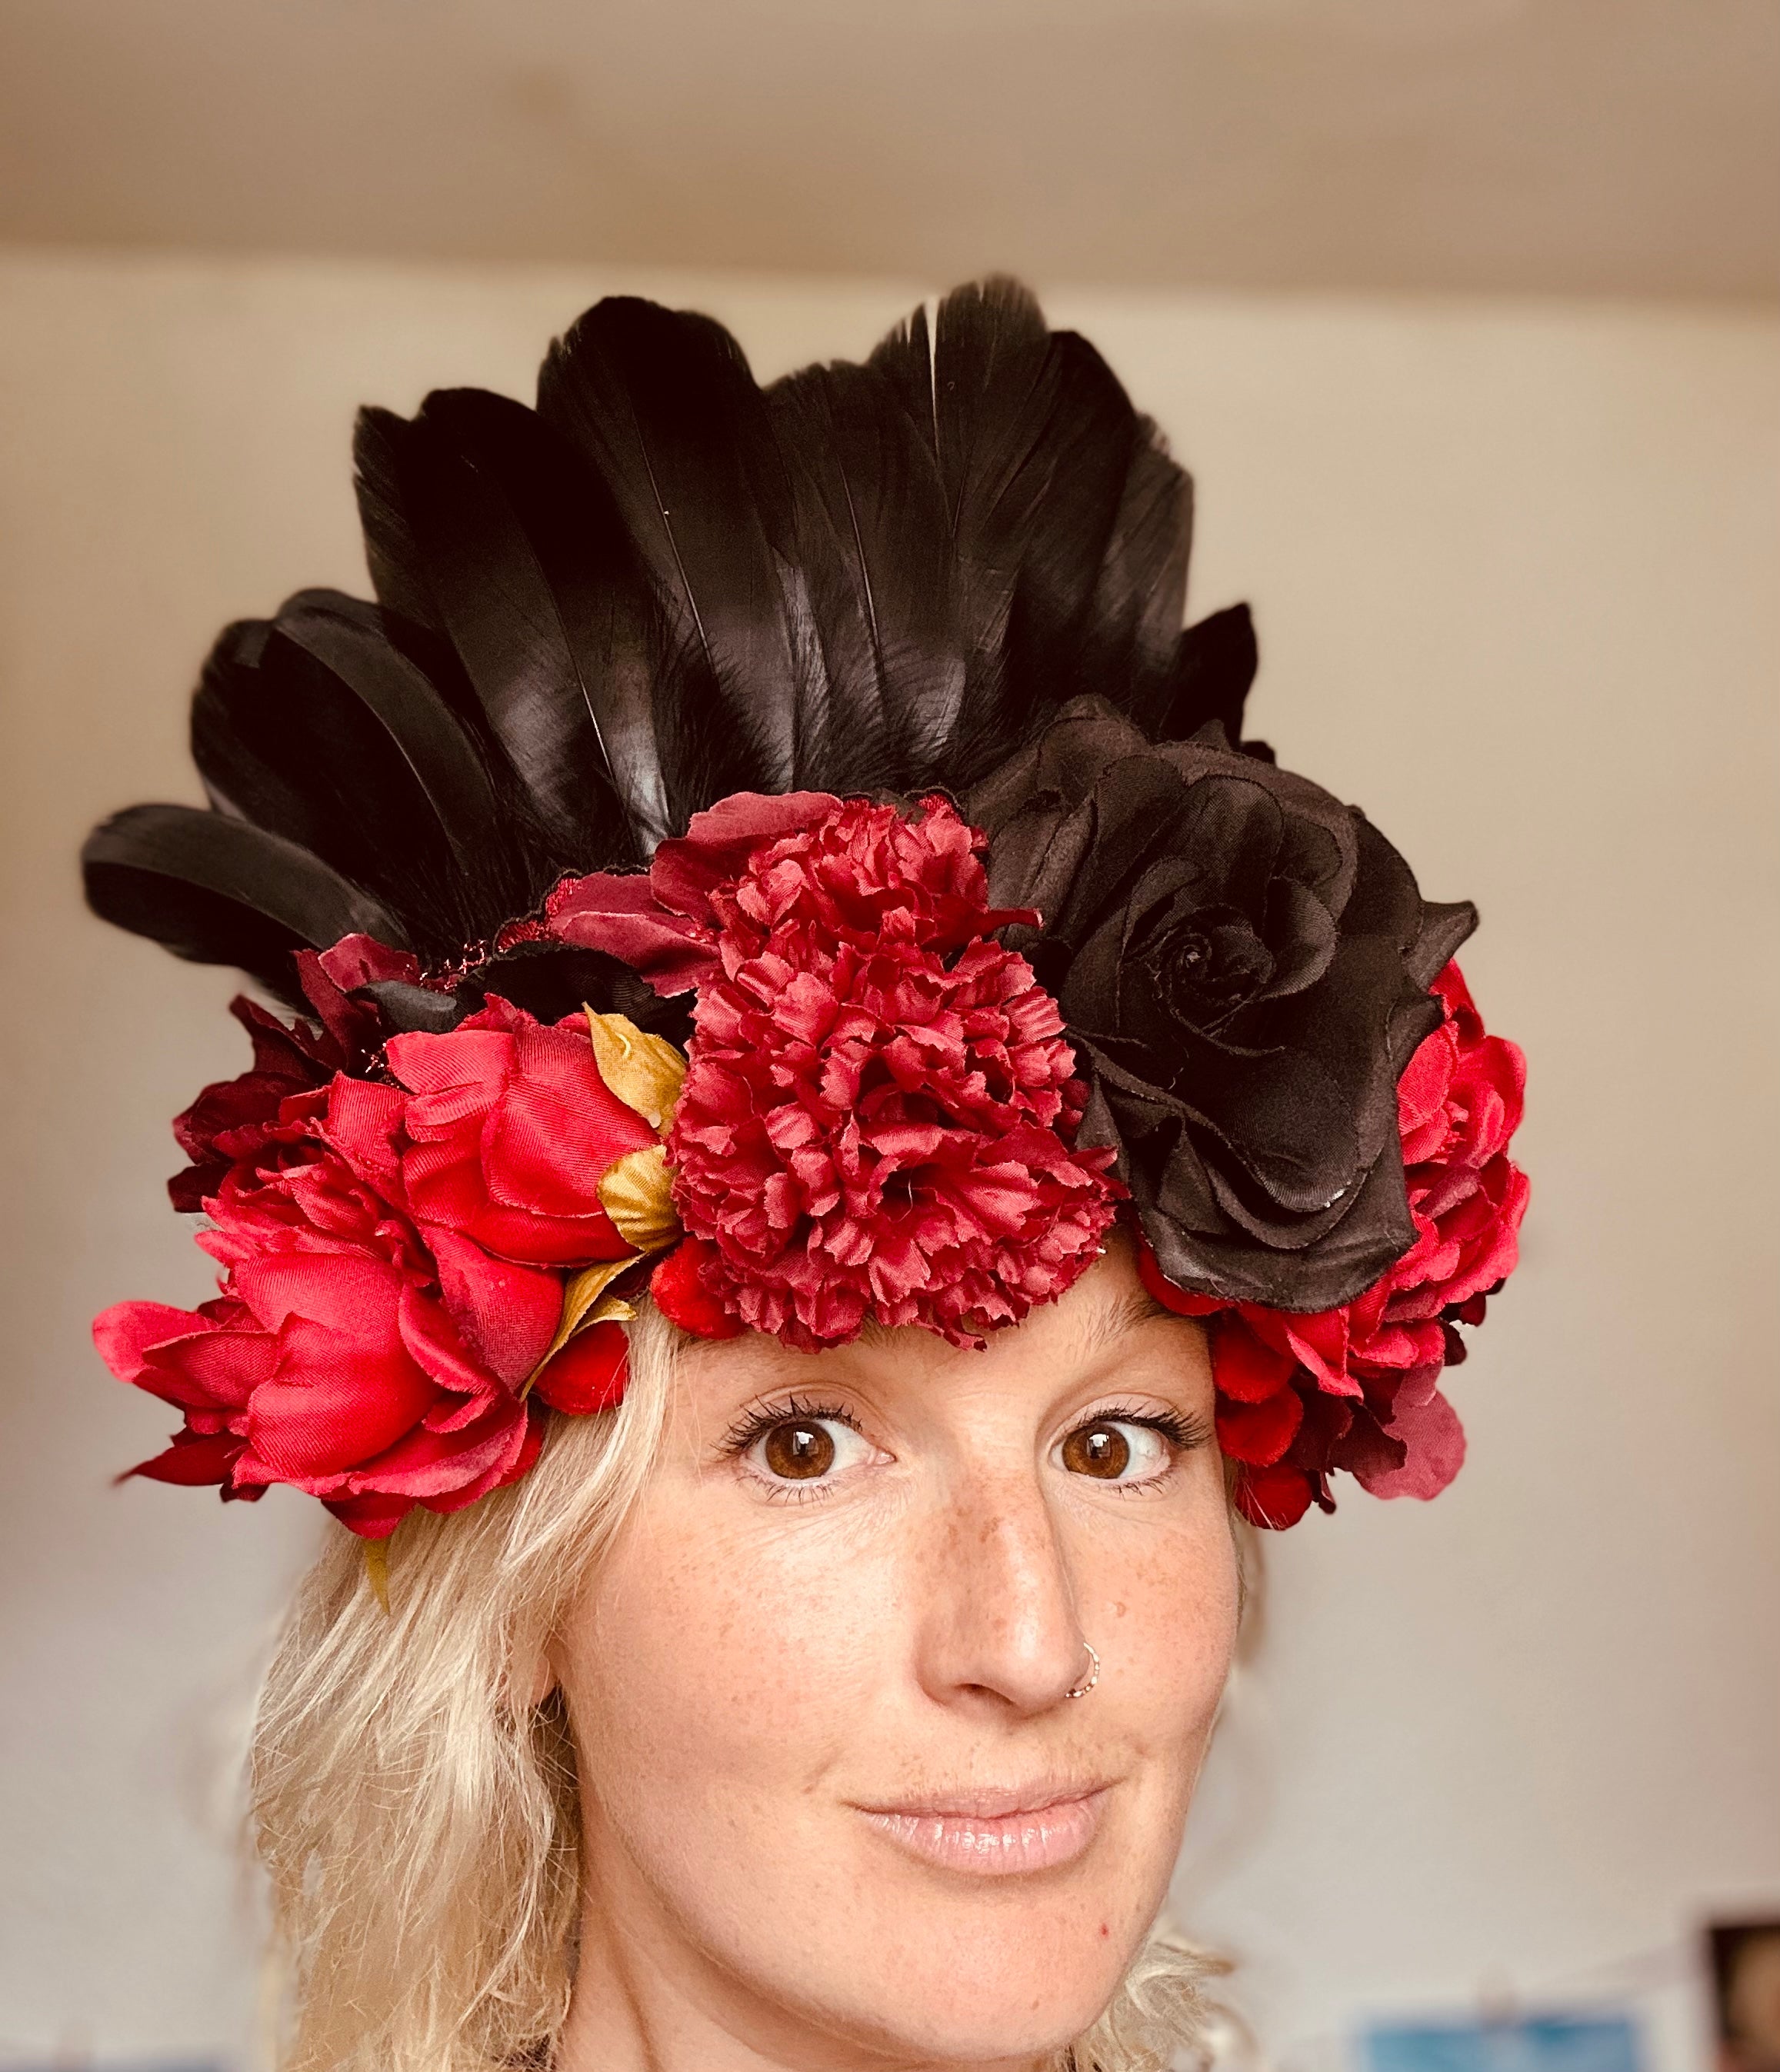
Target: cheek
[(715, 1674), (1162, 1608)]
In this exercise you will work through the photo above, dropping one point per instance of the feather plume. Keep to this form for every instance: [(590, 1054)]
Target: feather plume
[(662, 586)]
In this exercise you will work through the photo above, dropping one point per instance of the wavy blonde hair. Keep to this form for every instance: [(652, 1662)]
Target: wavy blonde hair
[(419, 1815)]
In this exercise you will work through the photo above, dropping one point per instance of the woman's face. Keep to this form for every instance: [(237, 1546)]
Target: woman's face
[(840, 1804)]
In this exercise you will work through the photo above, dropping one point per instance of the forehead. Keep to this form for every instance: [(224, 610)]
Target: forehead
[(1106, 1317)]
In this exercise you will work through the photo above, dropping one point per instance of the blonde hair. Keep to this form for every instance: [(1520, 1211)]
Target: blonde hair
[(418, 1814)]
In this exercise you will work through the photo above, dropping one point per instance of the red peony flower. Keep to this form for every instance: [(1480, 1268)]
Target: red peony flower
[(370, 1344), (879, 1102), (1358, 1387), (507, 1133)]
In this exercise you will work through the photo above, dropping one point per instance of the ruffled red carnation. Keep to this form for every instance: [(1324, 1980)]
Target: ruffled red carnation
[(1358, 1387), (879, 1102), (391, 1255)]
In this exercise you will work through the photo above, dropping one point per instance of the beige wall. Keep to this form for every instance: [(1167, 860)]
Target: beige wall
[(1513, 567)]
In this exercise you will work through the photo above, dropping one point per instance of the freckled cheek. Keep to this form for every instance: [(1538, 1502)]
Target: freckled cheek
[(1166, 1607), (704, 1670)]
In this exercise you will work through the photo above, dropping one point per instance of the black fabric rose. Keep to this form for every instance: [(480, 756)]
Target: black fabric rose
[(1243, 964)]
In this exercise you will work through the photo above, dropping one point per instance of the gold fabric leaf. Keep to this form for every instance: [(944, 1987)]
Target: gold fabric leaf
[(643, 1071), (584, 1301), (637, 1194), (377, 1570)]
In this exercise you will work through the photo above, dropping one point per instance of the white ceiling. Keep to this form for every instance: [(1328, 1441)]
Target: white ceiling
[(1592, 146)]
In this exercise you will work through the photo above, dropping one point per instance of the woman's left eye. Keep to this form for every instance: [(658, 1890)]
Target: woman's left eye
[(1115, 1450)]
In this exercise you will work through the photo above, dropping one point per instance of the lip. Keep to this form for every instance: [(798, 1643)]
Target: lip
[(997, 1834)]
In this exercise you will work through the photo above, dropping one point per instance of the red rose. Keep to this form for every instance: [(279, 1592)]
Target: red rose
[(1357, 1388), (507, 1133)]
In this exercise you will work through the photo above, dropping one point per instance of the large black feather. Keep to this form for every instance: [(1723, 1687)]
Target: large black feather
[(1069, 526), (663, 404), (872, 549), (529, 574), (213, 889)]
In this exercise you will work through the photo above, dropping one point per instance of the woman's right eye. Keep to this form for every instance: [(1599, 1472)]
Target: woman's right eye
[(807, 1449)]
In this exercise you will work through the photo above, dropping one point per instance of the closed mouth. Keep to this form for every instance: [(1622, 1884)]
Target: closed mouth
[(997, 1834)]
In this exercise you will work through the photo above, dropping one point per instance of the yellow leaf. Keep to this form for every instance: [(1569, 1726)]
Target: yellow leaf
[(643, 1071), (637, 1194), (582, 1305)]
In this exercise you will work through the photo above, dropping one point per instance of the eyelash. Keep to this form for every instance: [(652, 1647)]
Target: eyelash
[(757, 1422), (1182, 1433)]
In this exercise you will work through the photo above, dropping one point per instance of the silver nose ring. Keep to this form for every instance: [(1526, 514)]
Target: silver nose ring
[(1093, 1676)]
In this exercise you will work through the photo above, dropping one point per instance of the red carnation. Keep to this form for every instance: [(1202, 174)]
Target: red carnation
[(879, 1102), (366, 1346), (1358, 1387)]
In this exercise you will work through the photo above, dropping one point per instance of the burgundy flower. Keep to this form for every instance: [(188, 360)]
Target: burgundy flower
[(1358, 1387), (251, 1116), (384, 1304), (879, 1102)]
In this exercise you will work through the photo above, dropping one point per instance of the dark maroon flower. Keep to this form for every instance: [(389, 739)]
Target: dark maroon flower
[(251, 1116)]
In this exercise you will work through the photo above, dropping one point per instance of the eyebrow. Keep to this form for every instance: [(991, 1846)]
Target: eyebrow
[(1138, 1306)]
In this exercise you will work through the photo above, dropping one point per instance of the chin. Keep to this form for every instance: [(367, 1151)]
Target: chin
[(1011, 1969), (1010, 1995)]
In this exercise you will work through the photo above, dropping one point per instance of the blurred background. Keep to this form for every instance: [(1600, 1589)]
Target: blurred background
[(1465, 314)]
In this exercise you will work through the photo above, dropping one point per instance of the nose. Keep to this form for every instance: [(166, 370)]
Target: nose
[(999, 1627)]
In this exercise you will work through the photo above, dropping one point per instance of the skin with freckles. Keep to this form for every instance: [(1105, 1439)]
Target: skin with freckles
[(840, 1808)]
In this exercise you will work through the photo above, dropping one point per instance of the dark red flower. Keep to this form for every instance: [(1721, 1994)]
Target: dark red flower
[(879, 1102), (1358, 1387), (251, 1116)]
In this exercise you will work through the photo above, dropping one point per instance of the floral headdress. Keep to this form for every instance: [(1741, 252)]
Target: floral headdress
[(778, 850)]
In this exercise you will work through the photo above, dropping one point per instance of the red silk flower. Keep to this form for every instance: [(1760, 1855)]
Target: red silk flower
[(393, 1258), (243, 1119), (1358, 1387), (879, 1104)]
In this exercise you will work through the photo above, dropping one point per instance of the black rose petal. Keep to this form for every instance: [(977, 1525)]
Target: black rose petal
[(1243, 964)]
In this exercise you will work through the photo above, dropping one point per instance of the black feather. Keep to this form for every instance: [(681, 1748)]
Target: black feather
[(213, 889), (1064, 515), (873, 549), (314, 728), (526, 571), (663, 404), (1214, 665)]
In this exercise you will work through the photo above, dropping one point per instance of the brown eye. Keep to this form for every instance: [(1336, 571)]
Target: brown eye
[(1101, 1450), (797, 1451)]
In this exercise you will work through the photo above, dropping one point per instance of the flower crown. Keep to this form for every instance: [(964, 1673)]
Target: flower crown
[(776, 850)]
